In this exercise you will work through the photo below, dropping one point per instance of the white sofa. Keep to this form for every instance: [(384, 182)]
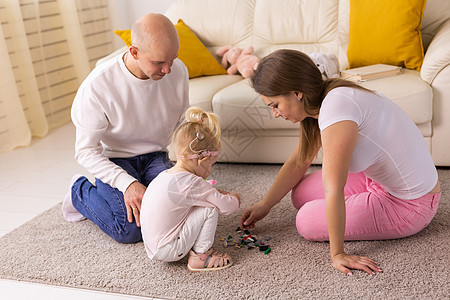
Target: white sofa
[(250, 132)]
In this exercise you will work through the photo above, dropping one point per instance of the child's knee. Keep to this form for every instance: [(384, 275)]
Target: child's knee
[(211, 212)]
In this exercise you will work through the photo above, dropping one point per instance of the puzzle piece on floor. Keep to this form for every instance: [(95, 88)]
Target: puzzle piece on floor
[(247, 240)]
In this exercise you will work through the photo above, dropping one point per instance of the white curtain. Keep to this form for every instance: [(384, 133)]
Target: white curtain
[(47, 47)]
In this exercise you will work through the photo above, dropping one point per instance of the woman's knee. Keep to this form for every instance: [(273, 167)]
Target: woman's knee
[(303, 227), (309, 188), (310, 227), (295, 197), (299, 195)]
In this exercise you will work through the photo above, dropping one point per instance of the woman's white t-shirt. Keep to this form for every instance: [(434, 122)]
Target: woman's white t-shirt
[(390, 148)]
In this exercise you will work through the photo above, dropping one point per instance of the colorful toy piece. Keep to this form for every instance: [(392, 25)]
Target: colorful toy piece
[(248, 240), (212, 181)]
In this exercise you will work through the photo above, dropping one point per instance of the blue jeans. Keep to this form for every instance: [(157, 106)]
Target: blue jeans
[(105, 205)]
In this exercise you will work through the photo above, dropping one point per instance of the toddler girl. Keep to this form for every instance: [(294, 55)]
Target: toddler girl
[(180, 209)]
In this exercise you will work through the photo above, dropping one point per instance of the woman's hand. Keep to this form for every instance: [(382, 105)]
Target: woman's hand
[(344, 262), (253, 214)]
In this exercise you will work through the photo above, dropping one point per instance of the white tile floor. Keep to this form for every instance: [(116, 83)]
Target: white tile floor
[(32, 180)]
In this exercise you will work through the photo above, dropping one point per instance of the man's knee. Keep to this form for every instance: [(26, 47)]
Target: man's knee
[(130, 237)]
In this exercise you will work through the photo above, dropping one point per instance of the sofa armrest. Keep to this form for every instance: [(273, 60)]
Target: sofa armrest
[(112, 55), (437, 56)]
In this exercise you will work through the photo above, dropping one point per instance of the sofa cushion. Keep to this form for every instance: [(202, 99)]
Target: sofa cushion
[(436, 13), (386, 31), (238, 105), (308, 26), (216, 22), (203, 89)]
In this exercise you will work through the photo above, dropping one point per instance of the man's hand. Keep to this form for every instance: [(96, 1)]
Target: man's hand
[(133, 199)]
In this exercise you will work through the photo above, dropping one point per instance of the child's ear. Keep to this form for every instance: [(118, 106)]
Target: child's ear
[(201, 160)]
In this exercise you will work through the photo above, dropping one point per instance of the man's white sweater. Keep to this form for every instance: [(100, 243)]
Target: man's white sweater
[(119, 115)]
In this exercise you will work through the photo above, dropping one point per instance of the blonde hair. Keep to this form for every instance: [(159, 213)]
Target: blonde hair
[(197, 123)]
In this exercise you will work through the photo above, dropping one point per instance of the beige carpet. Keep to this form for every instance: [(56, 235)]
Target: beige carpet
[(49, 250)]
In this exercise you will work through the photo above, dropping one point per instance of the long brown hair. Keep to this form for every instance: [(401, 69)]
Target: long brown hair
[(285, 71)]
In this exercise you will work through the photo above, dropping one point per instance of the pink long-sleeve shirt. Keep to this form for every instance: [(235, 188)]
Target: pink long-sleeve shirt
[(169, 199)]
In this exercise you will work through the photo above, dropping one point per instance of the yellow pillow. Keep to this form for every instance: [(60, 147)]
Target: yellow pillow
[(125, 35), (198, 60), (386, 31)]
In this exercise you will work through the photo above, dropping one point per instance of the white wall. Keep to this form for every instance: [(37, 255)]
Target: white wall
[(130, 10)]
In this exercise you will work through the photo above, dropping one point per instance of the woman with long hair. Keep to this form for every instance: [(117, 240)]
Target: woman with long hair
[(378, 180)]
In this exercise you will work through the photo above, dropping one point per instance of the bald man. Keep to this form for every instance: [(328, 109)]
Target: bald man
[(125, 112)]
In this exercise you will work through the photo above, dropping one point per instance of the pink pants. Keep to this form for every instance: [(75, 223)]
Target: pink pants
[(372, 213)]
